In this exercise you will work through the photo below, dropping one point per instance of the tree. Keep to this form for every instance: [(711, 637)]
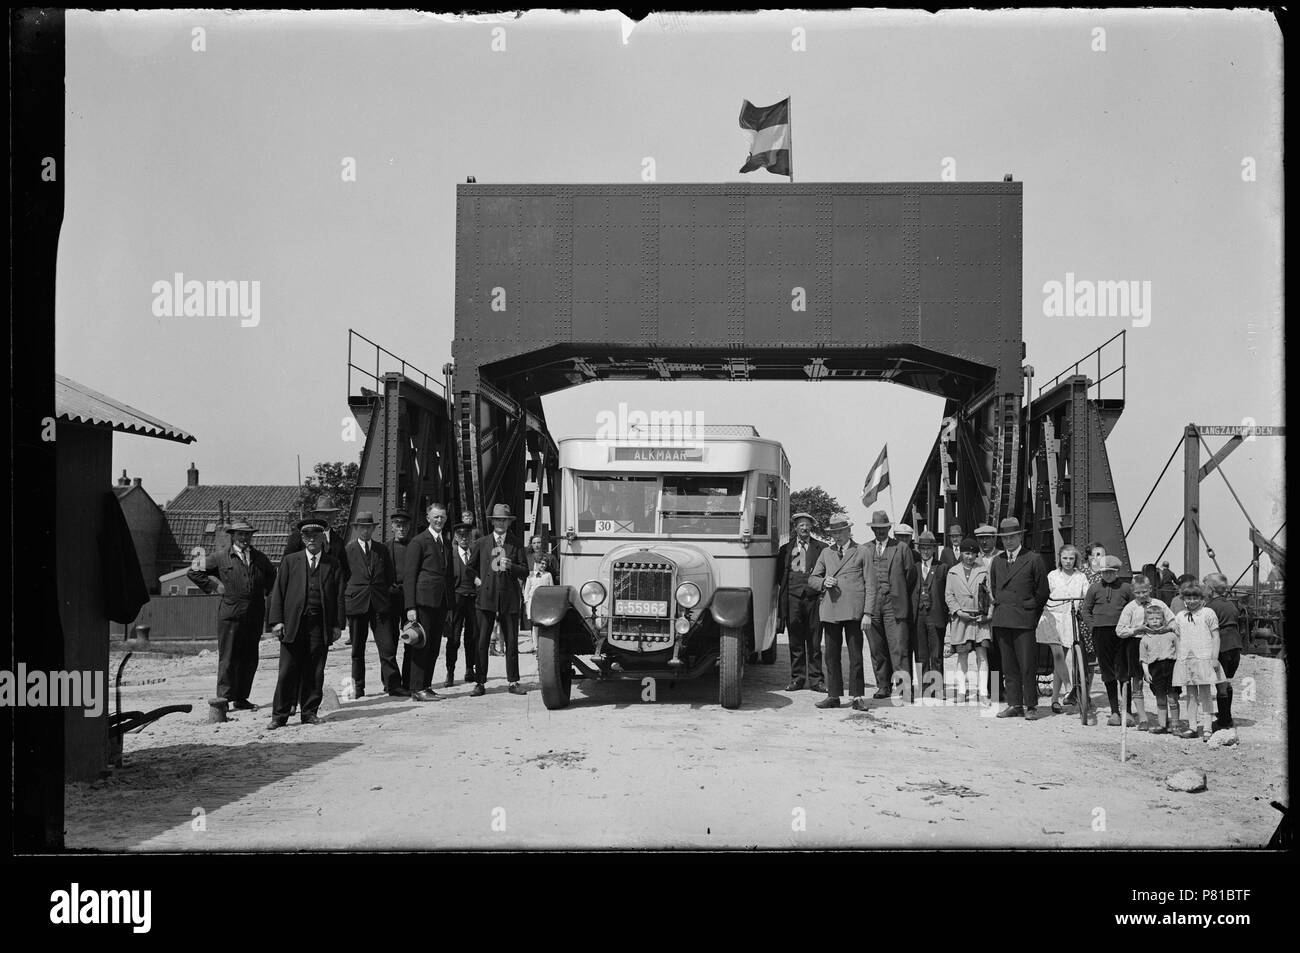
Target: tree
[(817, 502), (338, 479)]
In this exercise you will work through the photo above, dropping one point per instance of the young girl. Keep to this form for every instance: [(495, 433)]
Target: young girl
[(1197, 667), (1066, 584), (1158, 651), (968, 597)]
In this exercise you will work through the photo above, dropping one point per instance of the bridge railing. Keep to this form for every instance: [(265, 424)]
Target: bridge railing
[(360, 348), (1082, 366)]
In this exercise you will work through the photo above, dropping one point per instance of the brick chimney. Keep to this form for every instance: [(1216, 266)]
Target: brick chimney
[(136, 481), (122, 480), (192, 475)]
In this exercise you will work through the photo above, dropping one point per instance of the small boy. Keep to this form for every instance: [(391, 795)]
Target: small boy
[(1135, 619), (1159, 648)]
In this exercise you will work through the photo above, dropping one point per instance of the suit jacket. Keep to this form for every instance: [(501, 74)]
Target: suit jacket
[(855, 577), (500, 591), (936, 586), (246, 588), (464, 573), (950, 556), (369, 581), (1019, 591), (334, 549), (397, 552), (289, 594), (428, 572), (900, 569), (815, 547)]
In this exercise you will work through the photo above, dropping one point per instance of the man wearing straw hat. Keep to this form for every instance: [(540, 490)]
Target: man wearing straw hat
[(796, 605), (367, 601), (306, 615), (888, 603), (501, 565), (246, 576)]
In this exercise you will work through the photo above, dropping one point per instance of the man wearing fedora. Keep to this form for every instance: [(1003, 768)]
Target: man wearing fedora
[(951, 553), (501, 565), (889, 604), (840, 575), (428, 578), (930, 607), (367, 599), (306, 615), (797, 603), (464, 618), (246, 576), (1018, 580)]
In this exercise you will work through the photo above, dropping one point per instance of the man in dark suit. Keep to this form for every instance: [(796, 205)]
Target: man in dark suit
[(951, 554), (399, 528), (464, 621), (796, 605), (889, 604), (428, 585), (367, 602), (246, 578), (930, 613), (501, 566), (1018, 580), (306, 615), (324, 514)]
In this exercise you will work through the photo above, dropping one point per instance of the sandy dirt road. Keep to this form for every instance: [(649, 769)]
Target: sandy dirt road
[(613, 770)]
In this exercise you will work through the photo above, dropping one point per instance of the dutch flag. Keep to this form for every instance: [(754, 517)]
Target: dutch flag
[(768, 128), (877, 477)]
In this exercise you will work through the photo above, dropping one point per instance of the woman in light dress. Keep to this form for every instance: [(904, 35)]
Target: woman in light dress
[(969, 600), (1066, 583)]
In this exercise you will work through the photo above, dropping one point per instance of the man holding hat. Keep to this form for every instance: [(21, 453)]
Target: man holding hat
[(888, 604), (930, 606), (246, 579), (464, 618), (307, 617), (428, 587), (796, 605), (367, 599), (501, 565), (1018, 580), (840, 575)]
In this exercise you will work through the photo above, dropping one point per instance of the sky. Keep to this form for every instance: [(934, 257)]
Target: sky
[(225, 164)]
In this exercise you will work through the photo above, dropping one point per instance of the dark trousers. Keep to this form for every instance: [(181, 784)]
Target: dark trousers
[(1229, 660), (890, 646), (803, 626), (1108, 647), (509, 632), (301, 680), (464, 626), (419, 663), (835, 633), (927, 649), (385, 641), (237, 642), (1019, 651)]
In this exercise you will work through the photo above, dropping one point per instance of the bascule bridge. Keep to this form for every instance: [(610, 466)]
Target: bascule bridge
[(831, 283)]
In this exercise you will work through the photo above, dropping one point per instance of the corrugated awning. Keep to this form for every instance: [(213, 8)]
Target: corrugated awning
[(81, 405)]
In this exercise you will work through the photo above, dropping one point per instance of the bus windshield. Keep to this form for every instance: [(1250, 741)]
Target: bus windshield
[(687, 503)]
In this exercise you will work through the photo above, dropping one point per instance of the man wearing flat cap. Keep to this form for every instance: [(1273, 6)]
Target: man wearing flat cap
[(987, 537), (246, 579), (324, 512), (889, 604), (307, 617), (930, 609), (796, 605), (367, 598), (1018, 580)]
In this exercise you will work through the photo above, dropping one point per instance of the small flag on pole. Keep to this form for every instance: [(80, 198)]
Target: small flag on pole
[(877, 477), (768, 128)]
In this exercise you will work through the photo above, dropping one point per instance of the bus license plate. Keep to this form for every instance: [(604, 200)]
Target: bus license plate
[(640, 607)]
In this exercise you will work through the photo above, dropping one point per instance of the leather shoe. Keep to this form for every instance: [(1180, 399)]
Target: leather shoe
[(1031, 714), (449, 682), (795, 686), (1012, 711), (397, 691), (829, 701), (859, 704), (426, 695), (516, 689), (275, 723), (243, 705), (468, 678), (310, 719), (1058, 708), (818, 687), (478, 690), (882, 693)]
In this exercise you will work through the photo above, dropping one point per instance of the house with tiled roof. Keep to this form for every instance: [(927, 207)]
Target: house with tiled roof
[(144, 518), (193, 521)]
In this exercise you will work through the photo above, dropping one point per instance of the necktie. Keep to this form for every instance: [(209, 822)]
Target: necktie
[(365, 550), (312, 563), (839, 550)]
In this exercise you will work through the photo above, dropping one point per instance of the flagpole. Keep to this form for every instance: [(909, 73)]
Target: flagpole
[(789, 121)]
